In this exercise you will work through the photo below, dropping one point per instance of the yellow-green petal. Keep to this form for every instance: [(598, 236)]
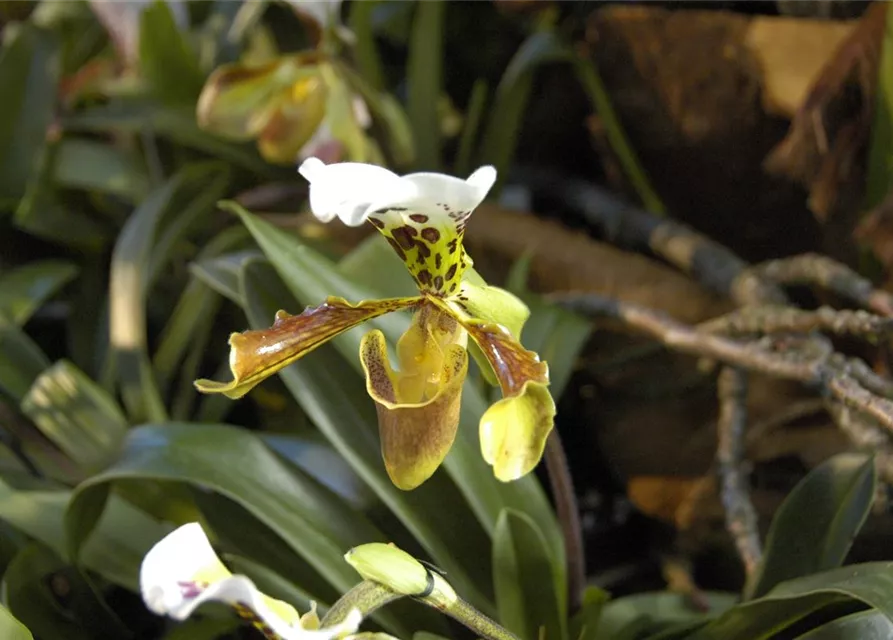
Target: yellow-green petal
[(513, 431), (256, 355), (415, 438), (298, 113), (238, 99)]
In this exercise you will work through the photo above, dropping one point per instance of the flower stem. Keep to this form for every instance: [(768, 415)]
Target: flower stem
[(367, 597), (569, 519), (483, 626)]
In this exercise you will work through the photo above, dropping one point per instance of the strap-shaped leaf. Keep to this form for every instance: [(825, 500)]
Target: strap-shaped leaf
[(530, 595), (815, 526)]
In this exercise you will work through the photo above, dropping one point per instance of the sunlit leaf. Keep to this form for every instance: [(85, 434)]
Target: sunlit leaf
[(531, 600), (814, 528), (12, 629), (75, 414)]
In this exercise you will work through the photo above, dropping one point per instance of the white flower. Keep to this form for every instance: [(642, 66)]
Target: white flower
[(182, 571), (352, 191)]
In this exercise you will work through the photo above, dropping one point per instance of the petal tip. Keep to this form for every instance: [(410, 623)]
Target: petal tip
[(311, 167)]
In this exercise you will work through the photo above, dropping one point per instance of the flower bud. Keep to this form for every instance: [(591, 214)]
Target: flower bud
[(391, 567)]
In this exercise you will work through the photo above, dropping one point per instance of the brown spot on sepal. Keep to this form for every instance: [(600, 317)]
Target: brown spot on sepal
[(431, 234), (421, 218)]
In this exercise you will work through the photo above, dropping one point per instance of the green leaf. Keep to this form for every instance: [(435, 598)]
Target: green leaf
[(29, 597), (55, 601), (76, 414), (122, 537), (140, 252), (865, 625), (86, 164), (512, 94), (21, 360), (425, 82), (814, 528), (333, 395), (658, 609), (474, 114), (790, 602), (222, 273), (880, 150), (311, 278), (30, 70), (530, 596), (587, 74), (365, 50), (238, 532), (25, 289), (12, 629), (196, 307), (166, 60), (235, 464), (43, 212), (176, 124), (584, 625), (319, 460)]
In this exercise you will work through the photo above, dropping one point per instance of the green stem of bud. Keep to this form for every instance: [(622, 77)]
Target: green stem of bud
[(483, 626), (366, 596)]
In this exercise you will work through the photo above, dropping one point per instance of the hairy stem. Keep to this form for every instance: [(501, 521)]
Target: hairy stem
[(569, 519)]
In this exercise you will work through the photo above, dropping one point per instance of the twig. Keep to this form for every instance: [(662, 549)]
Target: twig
[(569, 517), (777, 319), (708, 262), (817, 270), (741, 517), (811, 362)]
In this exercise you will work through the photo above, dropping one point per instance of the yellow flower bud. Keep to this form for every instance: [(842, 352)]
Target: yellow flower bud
[(391, 567)]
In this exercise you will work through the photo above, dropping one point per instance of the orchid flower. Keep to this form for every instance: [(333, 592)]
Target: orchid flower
[(182, 572), (294, 105), (423, 218)]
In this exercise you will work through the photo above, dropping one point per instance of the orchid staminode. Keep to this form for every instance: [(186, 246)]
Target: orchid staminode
[(181, 572), (422, 216)]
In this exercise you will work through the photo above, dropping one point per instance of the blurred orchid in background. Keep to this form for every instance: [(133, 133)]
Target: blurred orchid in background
[(423, 218), (295, 105)]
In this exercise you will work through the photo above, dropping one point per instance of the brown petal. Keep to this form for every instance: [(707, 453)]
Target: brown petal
[(256, 355), (513, 365), (415, 438)]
